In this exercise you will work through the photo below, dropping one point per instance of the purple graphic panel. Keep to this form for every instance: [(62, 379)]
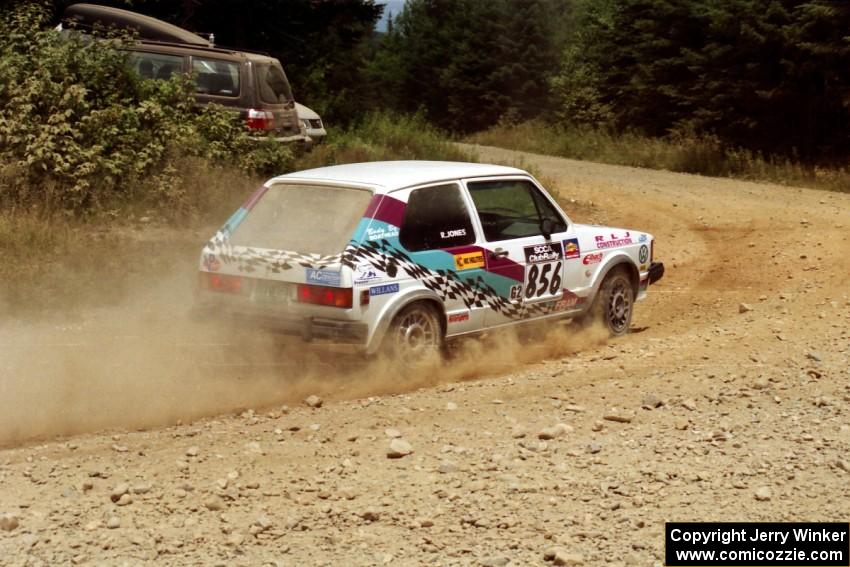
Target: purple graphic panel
[(502, 266), (387, 209)]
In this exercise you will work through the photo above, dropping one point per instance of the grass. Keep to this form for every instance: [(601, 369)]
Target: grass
[(687, 154), (385, 136)]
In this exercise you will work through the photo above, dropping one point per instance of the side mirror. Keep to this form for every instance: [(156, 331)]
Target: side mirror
[(546, 228)]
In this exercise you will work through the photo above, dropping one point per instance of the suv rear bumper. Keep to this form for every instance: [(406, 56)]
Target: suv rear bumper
[(297, 139)]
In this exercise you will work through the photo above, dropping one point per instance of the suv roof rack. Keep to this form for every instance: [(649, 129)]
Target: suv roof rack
[(148, 28)]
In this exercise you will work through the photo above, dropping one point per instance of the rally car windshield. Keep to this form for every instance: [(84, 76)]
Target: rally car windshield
[(309, 219)]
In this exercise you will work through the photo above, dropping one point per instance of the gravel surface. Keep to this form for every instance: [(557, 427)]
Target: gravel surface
[(728, 402)]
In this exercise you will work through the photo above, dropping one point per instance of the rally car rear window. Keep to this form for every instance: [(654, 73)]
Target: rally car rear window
[(303, 218)]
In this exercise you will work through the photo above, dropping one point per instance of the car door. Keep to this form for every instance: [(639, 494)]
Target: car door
[(528, 243), (438, 235)]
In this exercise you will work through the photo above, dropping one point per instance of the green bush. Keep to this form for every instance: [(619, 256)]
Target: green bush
[(380, 136), (81, 131)]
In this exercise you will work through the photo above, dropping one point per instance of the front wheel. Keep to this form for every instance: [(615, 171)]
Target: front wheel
[(415, 336), (614, 303)]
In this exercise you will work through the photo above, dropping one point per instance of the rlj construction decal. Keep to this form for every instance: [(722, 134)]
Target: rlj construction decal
[(613, 242), (323, 277), (469, 260), (571, 249)]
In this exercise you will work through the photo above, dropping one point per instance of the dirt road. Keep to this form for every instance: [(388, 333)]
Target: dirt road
[(729, 401)]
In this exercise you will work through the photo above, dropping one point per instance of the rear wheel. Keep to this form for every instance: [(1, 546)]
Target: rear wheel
[(415, 335), (614, 303)]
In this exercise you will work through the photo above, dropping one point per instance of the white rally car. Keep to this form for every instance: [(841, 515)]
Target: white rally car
[(404, 255)]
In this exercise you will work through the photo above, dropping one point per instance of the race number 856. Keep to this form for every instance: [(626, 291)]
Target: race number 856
[(543, 279)]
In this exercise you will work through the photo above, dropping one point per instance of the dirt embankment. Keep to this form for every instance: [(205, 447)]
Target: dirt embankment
[(728, 402)]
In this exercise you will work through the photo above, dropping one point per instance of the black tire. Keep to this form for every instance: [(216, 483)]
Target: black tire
[(415, 336), (614, 303)]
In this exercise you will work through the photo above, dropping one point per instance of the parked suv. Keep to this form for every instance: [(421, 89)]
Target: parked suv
[(253, 84)]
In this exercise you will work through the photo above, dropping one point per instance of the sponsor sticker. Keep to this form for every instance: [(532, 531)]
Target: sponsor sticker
[(365, 273), (516, 292), (212, 263), (380, 233), (383, 289), (459, 317), (614, 241), (571, 249), (547, 252), (452, 233), (568, 301), (642, 238), (323, 277), (592, 259), (643, 255), (469, 260)]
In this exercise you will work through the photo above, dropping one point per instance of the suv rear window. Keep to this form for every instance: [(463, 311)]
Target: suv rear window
[(303, 218), (273, 85), (215, 77), (155, 65)]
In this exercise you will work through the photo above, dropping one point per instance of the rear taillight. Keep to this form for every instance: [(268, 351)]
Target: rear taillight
[(324, 295), (220, 282), (260, 119), (652, 250)]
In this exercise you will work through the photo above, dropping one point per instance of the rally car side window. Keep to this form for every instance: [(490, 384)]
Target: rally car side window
[(436, 217), (512, 208)]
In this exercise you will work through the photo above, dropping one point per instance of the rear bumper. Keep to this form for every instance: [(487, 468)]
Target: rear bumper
[(308, 328), (298, 140), (656, 272)]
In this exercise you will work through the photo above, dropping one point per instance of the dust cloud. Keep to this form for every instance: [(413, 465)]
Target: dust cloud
[(147, 363)]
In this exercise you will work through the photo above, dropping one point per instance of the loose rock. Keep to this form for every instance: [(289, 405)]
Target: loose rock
[(399, 448), (119, 491), (618, 417), (9, 522), (763, 493), (314, 401)]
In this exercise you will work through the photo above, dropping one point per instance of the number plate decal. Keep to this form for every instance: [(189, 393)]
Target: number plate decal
[(543, 272), (272, 291)]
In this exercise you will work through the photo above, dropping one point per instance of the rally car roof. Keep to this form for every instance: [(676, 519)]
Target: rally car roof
[(387, 176)]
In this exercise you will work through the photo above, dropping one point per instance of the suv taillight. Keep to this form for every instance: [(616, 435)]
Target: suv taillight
[(260, 119), (324, 295)]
